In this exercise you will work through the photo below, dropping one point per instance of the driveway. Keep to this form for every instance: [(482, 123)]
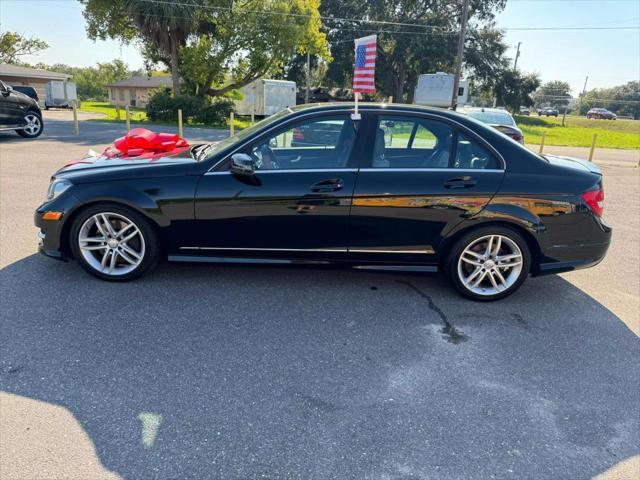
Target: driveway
[(238, 372)]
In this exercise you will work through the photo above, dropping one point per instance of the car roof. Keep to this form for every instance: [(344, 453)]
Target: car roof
[(364, 106)]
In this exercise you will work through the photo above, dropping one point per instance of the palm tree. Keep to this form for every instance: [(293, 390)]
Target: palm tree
[(166, 26)]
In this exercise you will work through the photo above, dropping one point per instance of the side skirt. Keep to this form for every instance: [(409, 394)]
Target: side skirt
[(278, 261)]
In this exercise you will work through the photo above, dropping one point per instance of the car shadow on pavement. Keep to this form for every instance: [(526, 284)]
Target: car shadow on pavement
[(236, 372)]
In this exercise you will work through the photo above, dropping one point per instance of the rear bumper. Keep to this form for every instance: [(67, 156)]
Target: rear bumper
[(566, 258)]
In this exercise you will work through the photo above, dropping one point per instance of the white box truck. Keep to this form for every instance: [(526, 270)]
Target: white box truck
[(59, 94), (265, 97), (436, 90)]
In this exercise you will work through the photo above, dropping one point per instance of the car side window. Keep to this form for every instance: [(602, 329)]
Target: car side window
[(324, 142), (471, 155), (409, 142)]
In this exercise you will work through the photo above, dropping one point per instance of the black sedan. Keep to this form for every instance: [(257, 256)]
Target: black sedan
[(401, 188)]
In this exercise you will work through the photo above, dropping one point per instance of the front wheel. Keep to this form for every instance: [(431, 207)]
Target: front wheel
[(489, 263), (32, 126), (114, 243)]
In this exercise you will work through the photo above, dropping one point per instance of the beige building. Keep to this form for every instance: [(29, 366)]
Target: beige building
[(32, 77), (135, 91)]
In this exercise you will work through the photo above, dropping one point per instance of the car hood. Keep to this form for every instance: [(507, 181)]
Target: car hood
[(572, 162), (94, 162)]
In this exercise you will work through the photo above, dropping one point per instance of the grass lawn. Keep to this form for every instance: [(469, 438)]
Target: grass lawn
[(578, 131), (139, 115)]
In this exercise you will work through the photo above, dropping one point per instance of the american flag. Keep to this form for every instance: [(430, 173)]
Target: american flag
[(365, 66)]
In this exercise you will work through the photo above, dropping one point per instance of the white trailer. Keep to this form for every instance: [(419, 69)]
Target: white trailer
[(60, 94), (436, 90), (265, 97)]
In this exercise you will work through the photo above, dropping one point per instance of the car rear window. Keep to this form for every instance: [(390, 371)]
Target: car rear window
[(500, 118)]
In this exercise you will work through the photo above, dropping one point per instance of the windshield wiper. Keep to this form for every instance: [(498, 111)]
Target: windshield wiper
[(201, 151)]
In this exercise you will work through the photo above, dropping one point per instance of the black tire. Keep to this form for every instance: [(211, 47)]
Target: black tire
[(451, 266), (151, 241), (37, 120)]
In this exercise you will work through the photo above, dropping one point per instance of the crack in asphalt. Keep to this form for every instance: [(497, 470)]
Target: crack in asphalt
[(449, 332)]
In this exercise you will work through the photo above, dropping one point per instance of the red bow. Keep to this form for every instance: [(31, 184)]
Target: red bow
[(142, 142)]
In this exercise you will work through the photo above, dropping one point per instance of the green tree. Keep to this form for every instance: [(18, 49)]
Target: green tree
[(163, 27), (425, 42), (556, 94), (216, 45), (513, 89), (249, 40), (13, 46), (91, 82), (621, 99)]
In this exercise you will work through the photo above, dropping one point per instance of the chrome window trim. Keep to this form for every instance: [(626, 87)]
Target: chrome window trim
[(417, 169), (293, 170), (376, 110)]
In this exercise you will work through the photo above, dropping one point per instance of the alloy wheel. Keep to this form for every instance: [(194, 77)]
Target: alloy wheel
[(490, 265), (33, 124), (111, 243)]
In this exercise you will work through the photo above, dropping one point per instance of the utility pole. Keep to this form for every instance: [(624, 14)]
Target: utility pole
[(515, 63), (584, 91), (463, 31), (306, 95)]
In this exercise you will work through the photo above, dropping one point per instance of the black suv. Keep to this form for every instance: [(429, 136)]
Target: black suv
[(19, 112)]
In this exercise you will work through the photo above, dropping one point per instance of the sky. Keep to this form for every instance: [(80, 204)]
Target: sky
[(608, 56)]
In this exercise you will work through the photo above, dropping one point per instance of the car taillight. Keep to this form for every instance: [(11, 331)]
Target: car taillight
[(595, 200)]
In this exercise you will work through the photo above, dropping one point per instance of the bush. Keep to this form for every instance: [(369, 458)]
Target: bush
[(162, 107), (216, 113)]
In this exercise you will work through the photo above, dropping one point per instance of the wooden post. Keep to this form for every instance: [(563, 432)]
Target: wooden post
[(180, 122), (128, 118), (76, 127), (117, 112), (593, 147), (231, 125), (544, 135)]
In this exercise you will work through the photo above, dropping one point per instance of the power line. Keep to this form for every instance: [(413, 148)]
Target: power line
[(382, 22)]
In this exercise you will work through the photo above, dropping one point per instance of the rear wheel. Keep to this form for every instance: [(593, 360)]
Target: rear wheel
[(32, 126), (114, 243), (488, 263)]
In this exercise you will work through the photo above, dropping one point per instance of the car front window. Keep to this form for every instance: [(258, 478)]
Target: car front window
[(229, 142)]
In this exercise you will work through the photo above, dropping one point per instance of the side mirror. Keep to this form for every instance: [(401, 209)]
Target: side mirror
[(242, 164), (6, 90)]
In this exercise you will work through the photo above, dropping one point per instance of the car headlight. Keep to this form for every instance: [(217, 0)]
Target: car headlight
[(57, 187)]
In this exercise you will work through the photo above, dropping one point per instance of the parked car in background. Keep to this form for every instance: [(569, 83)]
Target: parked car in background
[(498, 118), (525, 111), (19, 112), (601, 114), (28, 91), (405, 187), (550, 112)]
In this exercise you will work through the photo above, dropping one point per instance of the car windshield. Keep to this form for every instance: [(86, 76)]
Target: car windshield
[(214, 148), (499, 118)]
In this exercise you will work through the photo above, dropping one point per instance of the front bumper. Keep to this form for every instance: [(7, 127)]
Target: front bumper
[(49, 236)]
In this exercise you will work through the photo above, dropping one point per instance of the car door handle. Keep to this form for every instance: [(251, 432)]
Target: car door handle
[(329, 185), (460, 182)]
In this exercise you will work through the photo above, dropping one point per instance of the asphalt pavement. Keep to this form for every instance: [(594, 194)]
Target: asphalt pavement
[(238, 372)]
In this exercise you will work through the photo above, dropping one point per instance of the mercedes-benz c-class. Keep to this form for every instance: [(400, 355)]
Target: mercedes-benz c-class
[(397, 187)]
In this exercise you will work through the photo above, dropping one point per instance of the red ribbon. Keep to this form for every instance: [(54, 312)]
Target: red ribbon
[(141, 142)]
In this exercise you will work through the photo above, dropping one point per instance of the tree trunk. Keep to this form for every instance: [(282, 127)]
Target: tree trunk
[(174, 67)]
